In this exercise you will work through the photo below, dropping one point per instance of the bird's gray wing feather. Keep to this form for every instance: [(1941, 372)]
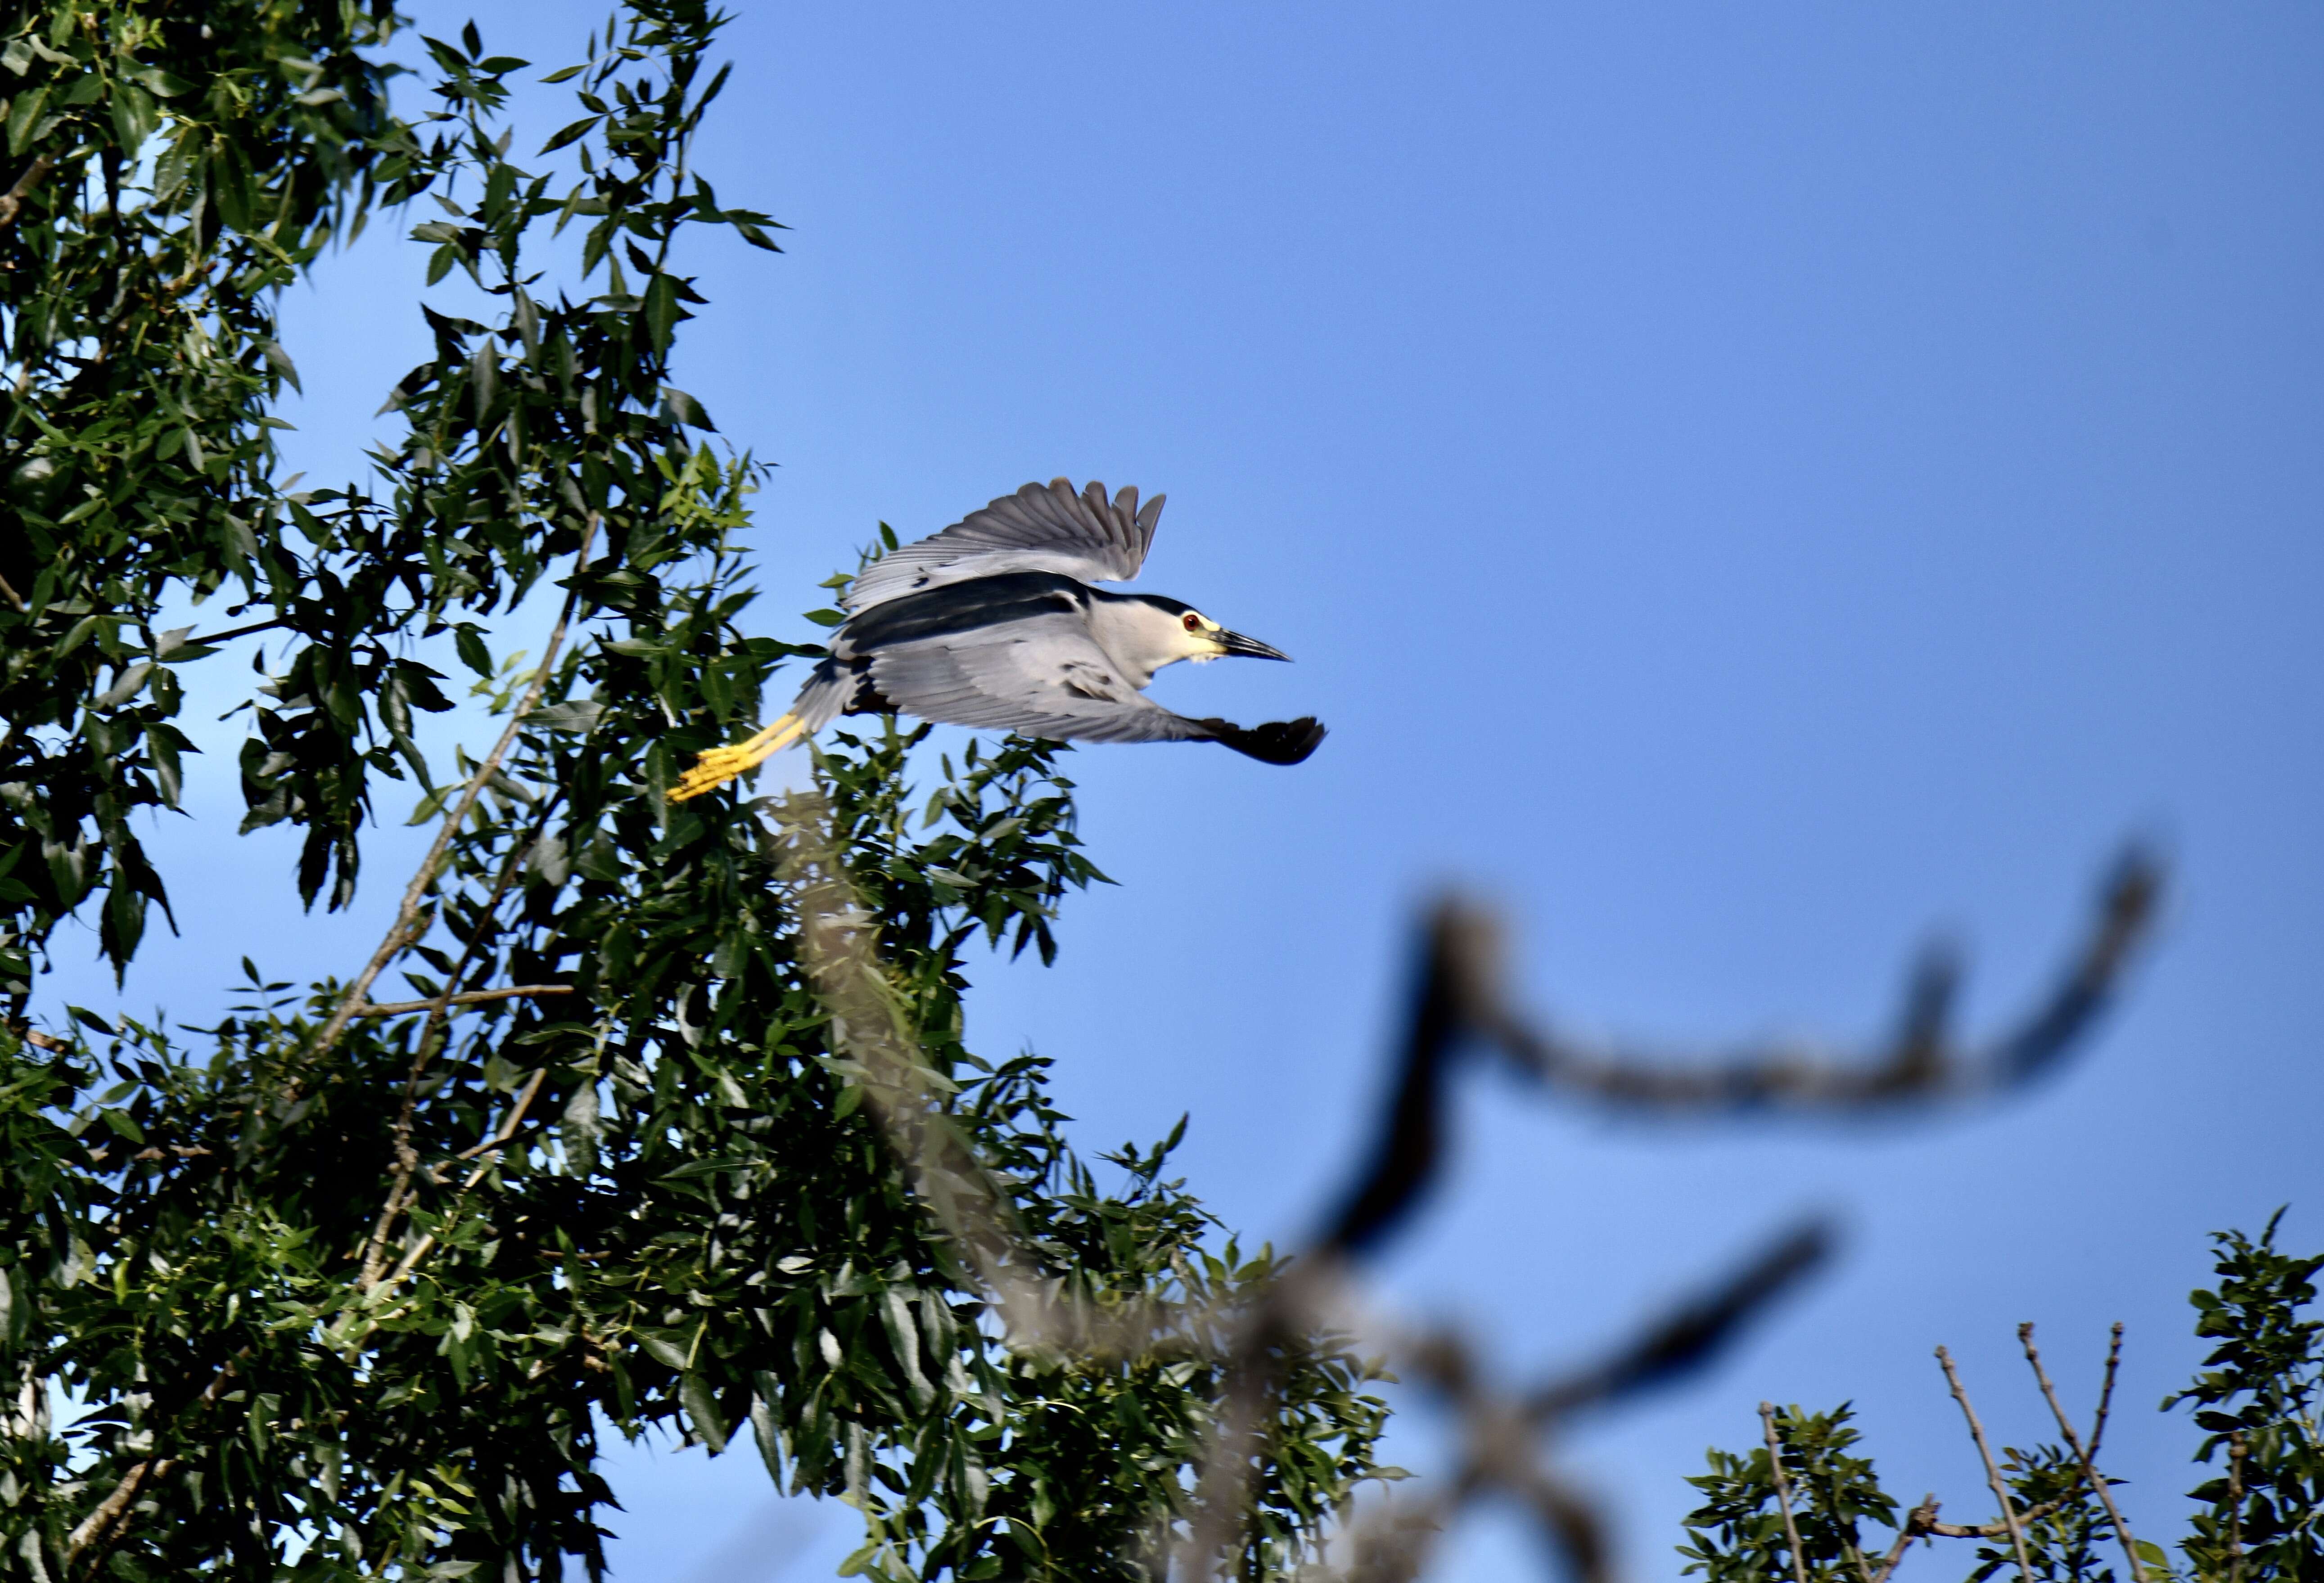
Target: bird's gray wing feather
[(1043, 676), (1042, 527)]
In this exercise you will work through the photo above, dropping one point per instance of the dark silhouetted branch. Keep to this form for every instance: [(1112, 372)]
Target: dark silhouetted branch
[(1919, 1064), (1457, 1006), (1459, 1000), (1693, 1334)]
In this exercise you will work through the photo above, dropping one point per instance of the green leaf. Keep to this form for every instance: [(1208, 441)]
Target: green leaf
[(579, 1130), (702, 1408), (159, 81), (678, 407), (574, 132), (23, 115)]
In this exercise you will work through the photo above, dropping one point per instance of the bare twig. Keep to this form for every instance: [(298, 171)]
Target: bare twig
[(1996, 1529), (400, 934), (508, 1128), (234, 633), (102, 1526), (1918, 1522), (465, 998), (1992, 1472), (97, 1527), (12, 200), (2105, 1390), (421, 1248), (423, 1050), (11, 595), (1783, 1490), (1456, 1001), (2086, 1457)]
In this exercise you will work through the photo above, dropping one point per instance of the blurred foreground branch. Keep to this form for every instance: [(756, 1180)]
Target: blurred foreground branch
[(1460, 1003)]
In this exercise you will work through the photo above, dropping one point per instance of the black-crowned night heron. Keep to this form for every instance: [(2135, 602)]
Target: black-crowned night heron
[(992, 623)]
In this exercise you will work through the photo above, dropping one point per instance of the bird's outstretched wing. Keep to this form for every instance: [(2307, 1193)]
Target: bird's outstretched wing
[(1042, 527)]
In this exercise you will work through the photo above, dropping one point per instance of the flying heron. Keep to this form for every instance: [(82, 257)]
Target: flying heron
[(992, 623)]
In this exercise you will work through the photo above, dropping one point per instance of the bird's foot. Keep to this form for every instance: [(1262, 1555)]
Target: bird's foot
[(717, 766)]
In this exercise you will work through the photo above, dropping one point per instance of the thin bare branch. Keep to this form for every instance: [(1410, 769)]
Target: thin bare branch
[(98, 1527), (1992, 1470), (421, 1248), (232, 632), (423, 1050), (1918, 1522), (401, 932), (2086, 1457), (2105, 1391), (12, 200), (14, 598), (1996, 1529), (1783, 1490), (95, 1533), (466, 997)]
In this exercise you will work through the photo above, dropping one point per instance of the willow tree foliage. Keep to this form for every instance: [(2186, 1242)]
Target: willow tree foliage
[(337, 1284)]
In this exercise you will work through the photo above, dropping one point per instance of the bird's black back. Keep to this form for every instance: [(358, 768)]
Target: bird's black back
[(964, 607)]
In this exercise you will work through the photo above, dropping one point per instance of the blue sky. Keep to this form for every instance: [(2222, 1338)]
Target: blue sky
[(1747, 486)]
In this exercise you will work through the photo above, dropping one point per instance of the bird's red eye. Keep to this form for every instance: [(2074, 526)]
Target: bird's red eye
[(1194, 621)]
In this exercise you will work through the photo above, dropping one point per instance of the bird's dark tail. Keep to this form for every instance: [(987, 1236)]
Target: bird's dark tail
[(1278, 741)]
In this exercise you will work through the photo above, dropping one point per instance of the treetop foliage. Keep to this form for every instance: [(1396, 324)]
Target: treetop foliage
[(338, 1285), (2260, 1520)]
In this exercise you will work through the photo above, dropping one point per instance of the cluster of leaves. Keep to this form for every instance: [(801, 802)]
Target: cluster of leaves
[(2258, 1402), (337, 1296), (170, 169), (1737, 1532)]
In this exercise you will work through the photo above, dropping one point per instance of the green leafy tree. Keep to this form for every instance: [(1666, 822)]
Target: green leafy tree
[(1799, 1510), (343, 1285)]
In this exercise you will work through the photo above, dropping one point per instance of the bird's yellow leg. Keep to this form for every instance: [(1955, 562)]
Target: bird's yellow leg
[(718, 766)]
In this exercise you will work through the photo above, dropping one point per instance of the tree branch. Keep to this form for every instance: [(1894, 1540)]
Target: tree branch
[(1921, 1520), (1992, 1472), (12, 200), (419, 1250), (2086, 1457), (1783, 1490), (407, 1160), (2105, 1391), (465, 998), (399, 934), (1919, 1064), (1694, 1333)]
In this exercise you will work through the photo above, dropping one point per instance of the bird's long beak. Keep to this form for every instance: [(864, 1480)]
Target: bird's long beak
[(1236, 643)]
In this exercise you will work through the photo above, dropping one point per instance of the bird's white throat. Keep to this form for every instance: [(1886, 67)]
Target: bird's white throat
[(1140, 639)]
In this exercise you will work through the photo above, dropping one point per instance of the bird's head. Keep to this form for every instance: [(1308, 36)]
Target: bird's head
[(1184, 632), (1143, 633)]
